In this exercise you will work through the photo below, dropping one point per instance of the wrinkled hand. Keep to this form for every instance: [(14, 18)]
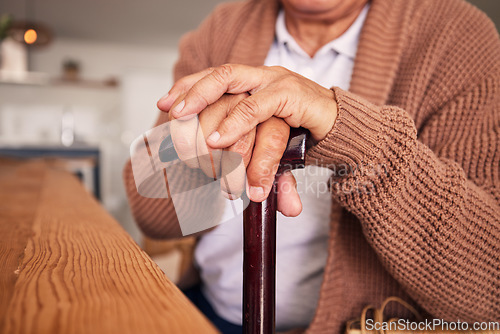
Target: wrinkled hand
[(273, 92), (189, 138)]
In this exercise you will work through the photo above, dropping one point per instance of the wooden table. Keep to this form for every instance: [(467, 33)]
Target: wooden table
[(66, 266)]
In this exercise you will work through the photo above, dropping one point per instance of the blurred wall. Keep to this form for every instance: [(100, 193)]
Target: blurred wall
[(490, 7)]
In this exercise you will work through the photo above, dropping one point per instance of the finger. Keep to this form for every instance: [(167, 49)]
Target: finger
[(270, 143), (184, 136), (233, 79), (289, 203), (180, 88), (233, 175), (212, 115), (247, 114), (209, 159), (234, 162)]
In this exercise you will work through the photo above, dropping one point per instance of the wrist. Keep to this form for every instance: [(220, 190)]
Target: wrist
[(324, 116)]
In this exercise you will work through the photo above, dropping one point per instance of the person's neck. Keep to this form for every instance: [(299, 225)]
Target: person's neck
[(311, 35)]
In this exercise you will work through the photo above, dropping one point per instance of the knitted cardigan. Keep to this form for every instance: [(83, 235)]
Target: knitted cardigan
[(415, 152)]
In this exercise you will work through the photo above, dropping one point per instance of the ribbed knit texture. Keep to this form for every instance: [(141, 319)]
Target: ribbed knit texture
[(415, 150)]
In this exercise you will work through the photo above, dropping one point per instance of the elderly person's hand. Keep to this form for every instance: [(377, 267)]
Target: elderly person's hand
[(189, 136), (272, 92)]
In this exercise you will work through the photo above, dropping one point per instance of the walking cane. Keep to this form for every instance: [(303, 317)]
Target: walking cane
[(259, 239), (259, 246)]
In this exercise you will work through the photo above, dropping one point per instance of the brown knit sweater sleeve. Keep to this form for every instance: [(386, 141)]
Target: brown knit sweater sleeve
[(431, 215)]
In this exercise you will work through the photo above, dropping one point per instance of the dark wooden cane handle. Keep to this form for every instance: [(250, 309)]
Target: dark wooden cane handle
[(259, 249)]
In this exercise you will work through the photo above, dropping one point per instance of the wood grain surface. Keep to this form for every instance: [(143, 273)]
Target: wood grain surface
[(66, 266)]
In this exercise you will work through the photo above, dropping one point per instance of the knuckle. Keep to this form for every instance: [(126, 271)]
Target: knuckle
[(247, 108), (235, 99), (282, 69), (222, 73), (197, 93), (243, 146), (291, 79), (277, 68)]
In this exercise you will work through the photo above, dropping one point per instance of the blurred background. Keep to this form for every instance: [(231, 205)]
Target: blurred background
[(79, 80)]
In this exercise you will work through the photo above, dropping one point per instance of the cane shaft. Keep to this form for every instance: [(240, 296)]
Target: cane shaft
[(259, 263), (259, 246)]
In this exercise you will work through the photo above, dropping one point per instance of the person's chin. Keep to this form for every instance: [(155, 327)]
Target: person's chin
[(313, 7)]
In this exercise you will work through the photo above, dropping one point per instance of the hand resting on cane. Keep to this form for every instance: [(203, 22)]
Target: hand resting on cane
[(261, 150)]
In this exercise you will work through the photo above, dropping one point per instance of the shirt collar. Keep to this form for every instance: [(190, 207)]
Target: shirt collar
[(346, 44)]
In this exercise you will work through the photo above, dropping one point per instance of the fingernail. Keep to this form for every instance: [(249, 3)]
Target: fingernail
[(178, 108), (214, 137), (256, 193)]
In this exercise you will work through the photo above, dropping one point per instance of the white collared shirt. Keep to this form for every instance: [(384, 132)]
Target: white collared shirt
[(331, 65), (302, 242)]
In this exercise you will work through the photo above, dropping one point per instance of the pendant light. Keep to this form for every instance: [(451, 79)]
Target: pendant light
[(28, 31)]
